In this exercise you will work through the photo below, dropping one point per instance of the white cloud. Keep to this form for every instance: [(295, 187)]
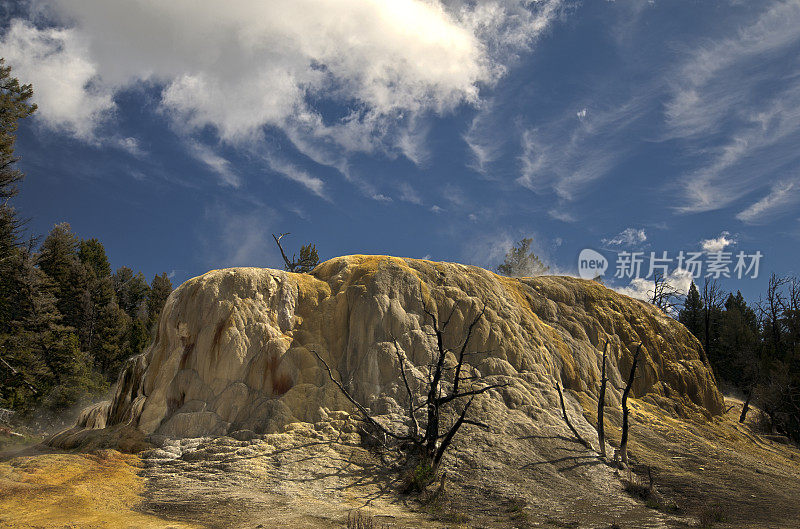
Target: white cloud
[(56, 61), (131, 146), (566, 155), (782, 197), (717, 244), (384, 66), (627, 237), (562, 215), (702, 92), (484, 147), (216, 163), (240, 238), (747, 138), (642, 288), (412, 141), (380, 197), (294, 173), (581, 113), (409, 194)]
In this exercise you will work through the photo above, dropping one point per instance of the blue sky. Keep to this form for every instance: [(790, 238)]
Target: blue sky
[(183, 134)]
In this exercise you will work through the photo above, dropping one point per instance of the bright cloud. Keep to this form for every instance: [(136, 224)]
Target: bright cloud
[(642, 288), (781, 197), (216, 163), (566, 156), (627, 237), (745, 137), (717, 244), (253, 65), (57, 63)]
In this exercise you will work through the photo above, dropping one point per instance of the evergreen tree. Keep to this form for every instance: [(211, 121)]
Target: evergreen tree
[(92, 254), (738, 358), (691, 315), (160, 289), (14, 106), (521, 262), (53, 369), (110, 344), (131, 291), (58, 258)]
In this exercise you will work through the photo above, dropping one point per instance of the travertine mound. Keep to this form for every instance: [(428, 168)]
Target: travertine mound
[(233, 348)]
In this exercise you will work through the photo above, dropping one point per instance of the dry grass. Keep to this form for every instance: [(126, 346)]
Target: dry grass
[(711, 515), (90, 491), (361, 520)]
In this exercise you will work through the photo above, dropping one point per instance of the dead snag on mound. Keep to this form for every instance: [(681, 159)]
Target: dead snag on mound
[(307, 261), (426, 440), (601, 404), (623, 445), (580, 439), (746, 406)]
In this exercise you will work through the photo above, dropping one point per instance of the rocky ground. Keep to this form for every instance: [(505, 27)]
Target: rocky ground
[(315, 475)]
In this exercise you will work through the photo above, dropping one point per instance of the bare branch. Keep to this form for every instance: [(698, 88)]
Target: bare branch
[(365, 414), (601, 403), (580, 439), (449, 398), (623, 445), (448, 438), (289, 264), (464, 348), (401, 360)]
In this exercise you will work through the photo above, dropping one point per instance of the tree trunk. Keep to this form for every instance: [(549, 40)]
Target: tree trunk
[(580, 439), (623, 445), (601, 402), (745, 407)]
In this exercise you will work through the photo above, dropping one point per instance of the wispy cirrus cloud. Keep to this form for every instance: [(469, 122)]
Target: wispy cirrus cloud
[(566, 155), (239, 238), (216, 163), (745, 126), (782, 197)]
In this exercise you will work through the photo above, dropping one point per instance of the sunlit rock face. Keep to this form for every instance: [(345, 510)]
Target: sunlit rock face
[(234, 348)]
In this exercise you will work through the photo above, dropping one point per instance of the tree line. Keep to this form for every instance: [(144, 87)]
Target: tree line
[(753, 348), (66, 321)]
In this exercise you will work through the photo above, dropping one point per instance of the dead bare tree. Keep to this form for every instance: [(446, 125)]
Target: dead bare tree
[(746, 406), (665, 295), (713, 298), (426, 441), (580, 439), (601, 404), (770, 312), (307, 261), (623, 445)]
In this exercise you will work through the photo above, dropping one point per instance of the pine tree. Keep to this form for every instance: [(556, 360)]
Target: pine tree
[(160, 289), (131, 291), (14, 106), (521, 262), (92, 254), (691, 315), (58, 258), (738, 357)]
